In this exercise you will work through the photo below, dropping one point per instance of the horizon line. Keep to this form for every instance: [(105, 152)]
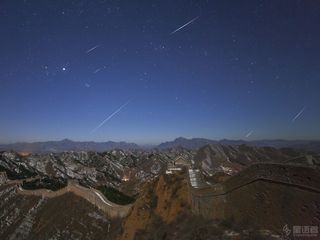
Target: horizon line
[(154, 144)]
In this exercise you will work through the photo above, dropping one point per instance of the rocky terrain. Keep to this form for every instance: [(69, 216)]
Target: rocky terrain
[(114, 168), (64, 217), (161, 209), (230, 159), (163, 212)]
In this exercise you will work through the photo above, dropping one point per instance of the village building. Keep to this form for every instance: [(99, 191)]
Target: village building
[(178, 164)]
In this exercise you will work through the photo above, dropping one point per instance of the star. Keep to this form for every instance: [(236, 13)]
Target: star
[(64, 69)]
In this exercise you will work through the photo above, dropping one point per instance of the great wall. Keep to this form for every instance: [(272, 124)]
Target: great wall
[(265, 193), (93, 196)]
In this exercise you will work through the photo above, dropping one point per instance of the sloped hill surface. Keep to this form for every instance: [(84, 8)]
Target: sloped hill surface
[(267, 195), (161, 202), (162, 212), (89, 168), (64, 217), (71, 217), (230, 159), (273, 206)]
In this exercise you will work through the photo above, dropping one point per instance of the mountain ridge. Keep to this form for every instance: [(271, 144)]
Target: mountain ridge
[(68, 145), (180, 142), (196, 143)]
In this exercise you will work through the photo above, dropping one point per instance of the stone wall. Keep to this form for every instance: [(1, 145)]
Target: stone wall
[(263, 194), (93, 196)]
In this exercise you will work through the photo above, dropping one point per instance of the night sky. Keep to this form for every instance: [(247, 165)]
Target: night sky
[(151, 71)]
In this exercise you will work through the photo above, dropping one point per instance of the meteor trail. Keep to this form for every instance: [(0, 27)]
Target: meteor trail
[(249, 134), (97, 70), (109, 117), (183, 26), (298, 115), (93, 48)]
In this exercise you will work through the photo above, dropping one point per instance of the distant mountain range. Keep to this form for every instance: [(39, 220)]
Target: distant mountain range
[(68, 145), (192, 144), (196, 143)]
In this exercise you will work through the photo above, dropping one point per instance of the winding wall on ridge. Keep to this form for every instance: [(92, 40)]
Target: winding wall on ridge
[(93, 196), (266, 194)]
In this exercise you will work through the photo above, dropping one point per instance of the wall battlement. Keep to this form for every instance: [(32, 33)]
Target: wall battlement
[(260, 191), (91, 195)]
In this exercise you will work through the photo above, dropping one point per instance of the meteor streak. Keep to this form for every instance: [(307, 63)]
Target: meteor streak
[(97, 70), (109, 117), (93, 48), (249, 134), (183, 26), (298, 114)]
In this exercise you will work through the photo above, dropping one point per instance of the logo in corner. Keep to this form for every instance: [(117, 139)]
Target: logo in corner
[(286, 231)]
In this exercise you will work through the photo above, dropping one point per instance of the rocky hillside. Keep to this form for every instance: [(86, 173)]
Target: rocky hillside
[(162, 212), (161, 209), (160, 203), (230, 159), (89, 168), (64, 217)]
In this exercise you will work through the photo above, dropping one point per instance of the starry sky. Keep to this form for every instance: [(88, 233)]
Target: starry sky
[(150, 71)]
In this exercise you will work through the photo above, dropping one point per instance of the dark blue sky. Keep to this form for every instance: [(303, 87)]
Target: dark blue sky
[(242, 69)]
